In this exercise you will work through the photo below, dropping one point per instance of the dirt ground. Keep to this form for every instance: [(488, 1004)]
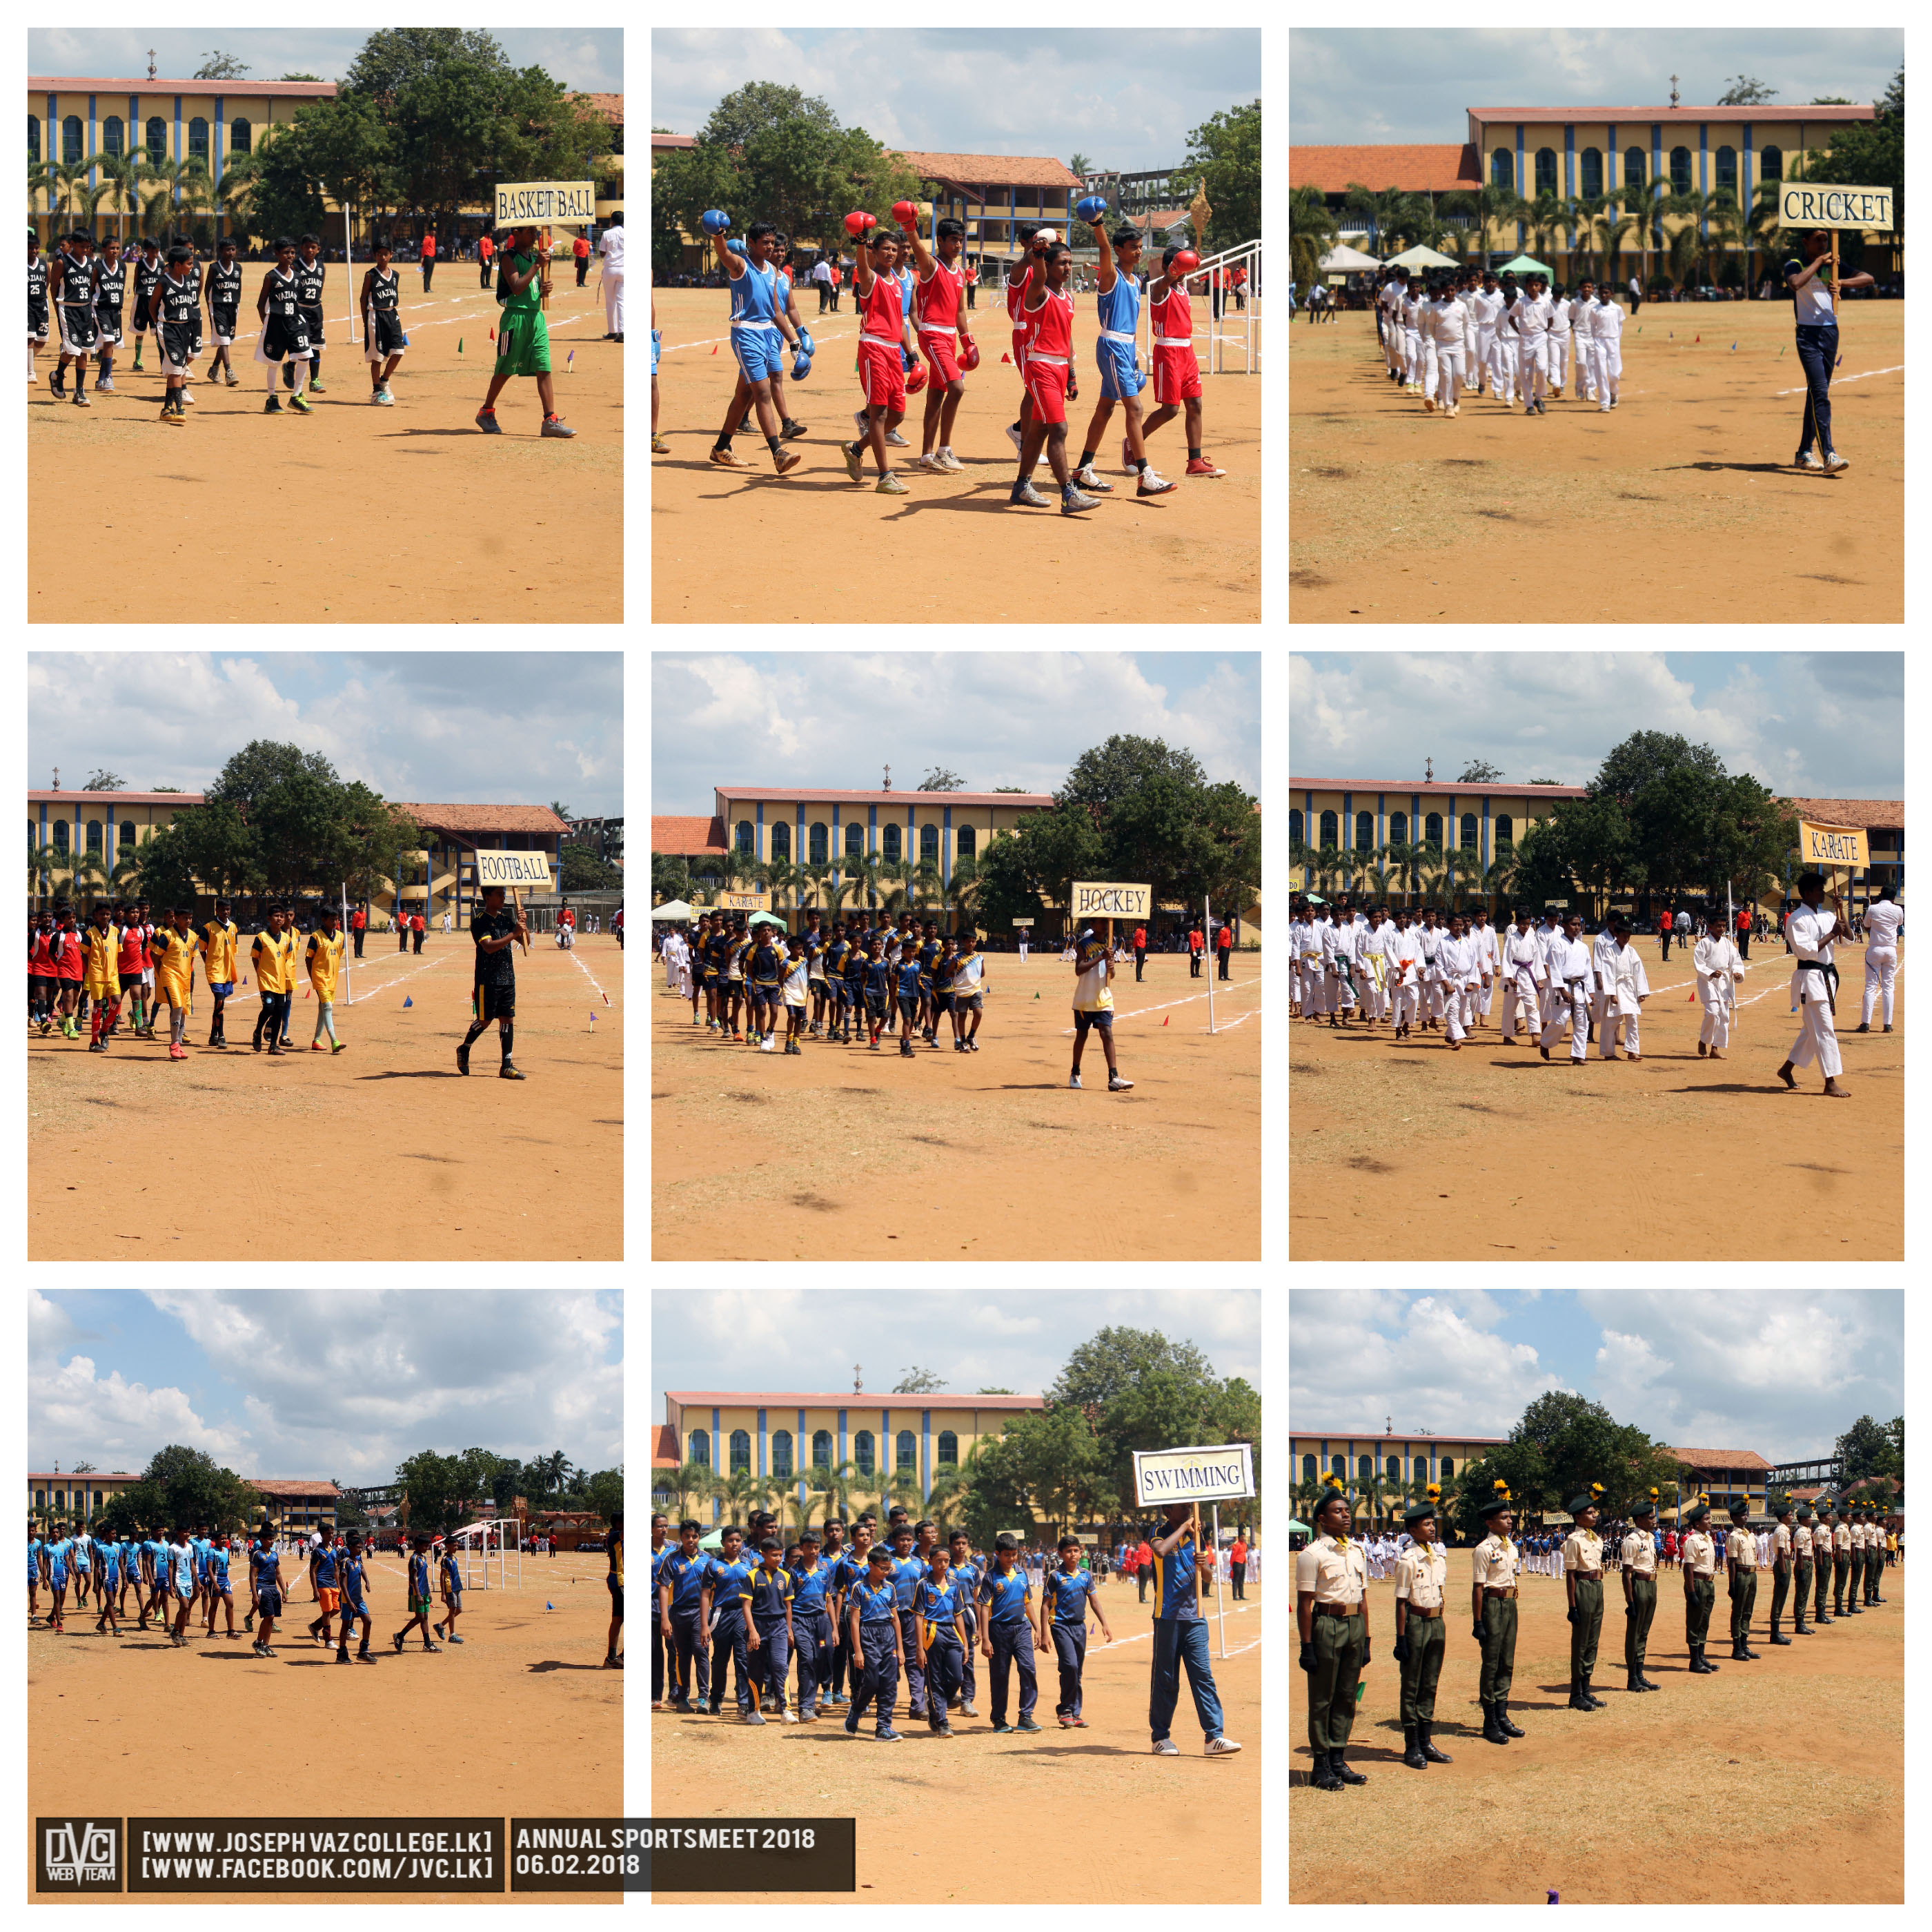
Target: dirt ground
[(1192, 556), (1679, 506), (349, 528), (1493, 1154), (1594, 1806), (386, 1152), (848, 1152), (522, 1720), (995, 1818)]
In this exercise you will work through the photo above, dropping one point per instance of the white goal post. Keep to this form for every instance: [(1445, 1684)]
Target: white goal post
[(478, 1544)]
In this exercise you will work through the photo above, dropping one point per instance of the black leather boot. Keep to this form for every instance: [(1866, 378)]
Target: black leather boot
[(1324, 1777), (1775, 1638), (1643, 1683), (1503, 1718), (1751, 1655), (1426, 1728), (1700, 1665), (1576, 1699), (1413, 1756), (1633, 1680), (1341, 1770), (1590, 1696), (1493, 1733)]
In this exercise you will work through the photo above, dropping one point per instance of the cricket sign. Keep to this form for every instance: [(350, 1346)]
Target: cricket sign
[(1824, 204), (1093, 900), (512, 869), (1832, 845), (1194, 1475), (540, 204)]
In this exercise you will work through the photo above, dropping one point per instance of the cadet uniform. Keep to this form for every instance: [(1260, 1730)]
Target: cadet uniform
[(1334, 1571), (1780, 1567), (1874, 1557), (1841, 1564), (1495, 1567), (1699, 1556), (1801, 1551), (1741, 1562), (1583, 1559), (1639, 1572), (1822, 1557), (1421, 1571)]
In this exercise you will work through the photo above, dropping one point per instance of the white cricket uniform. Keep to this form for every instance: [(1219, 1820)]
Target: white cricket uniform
[(1421, 345), (1632, 988), (1430, 940), (1372, 949), (1607, 328), (1522, 970), (1603, 950), (610, 246), (1488, 963), (1720, 965), (1559, 344), (1569, 971), (1508, 358), (1338, 964), (1448, 320), (1471, 368), (1404, 964), (1579, 323), (1305, 966), (1531, 315), (1810, 935), (1390, 301), (1487, 304), (1885, 920)]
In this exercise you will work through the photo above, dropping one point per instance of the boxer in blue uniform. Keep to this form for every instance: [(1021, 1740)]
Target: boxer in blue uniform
[(872, 1617), (1117, 351)]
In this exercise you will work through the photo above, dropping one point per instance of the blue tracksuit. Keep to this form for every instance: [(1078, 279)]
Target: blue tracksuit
[(684, 1576), (879, 1677), (728, 1632), (764, 1597), (1009, 1632), (935, 1609), (968, 1575), (1180, 1641), (907, 1573), (1068, 1592), (811, 1632)]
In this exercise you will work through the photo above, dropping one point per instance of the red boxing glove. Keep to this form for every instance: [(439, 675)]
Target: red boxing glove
[(1187, 261), (858, 222), (969, 356), (915, 380), (906, 214)]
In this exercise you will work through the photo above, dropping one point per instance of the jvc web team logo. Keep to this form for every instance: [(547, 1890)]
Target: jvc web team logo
[(79, 1855)]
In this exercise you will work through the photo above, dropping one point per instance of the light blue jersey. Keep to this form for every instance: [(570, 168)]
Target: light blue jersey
[(181, 1561), (755, 340), (907, 281), (1116, 351)]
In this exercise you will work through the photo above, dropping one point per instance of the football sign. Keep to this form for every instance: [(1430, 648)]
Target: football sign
[(511, 869)]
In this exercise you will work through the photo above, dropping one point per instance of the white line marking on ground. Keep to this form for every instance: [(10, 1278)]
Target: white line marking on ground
[(571, 953), (1234, 987), (1864, 376), (437, 960)]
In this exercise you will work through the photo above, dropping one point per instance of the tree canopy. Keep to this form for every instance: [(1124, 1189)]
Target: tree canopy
[(1224, 154)]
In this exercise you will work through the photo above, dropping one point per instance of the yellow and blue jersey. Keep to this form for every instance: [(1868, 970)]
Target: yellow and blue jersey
[(936, 1605), (1175, 1594), (418, 1577), (728, 1583), (685, 1575), (765, 1594), (878, 1603), (808, 1587), (907, 1573), (1068, 1592), (1006, 1594)]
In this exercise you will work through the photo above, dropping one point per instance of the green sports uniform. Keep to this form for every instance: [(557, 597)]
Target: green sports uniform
[(523, 340)]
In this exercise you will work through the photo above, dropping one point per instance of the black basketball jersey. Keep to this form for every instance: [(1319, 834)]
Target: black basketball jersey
[(382, 289), (194, 279), (224, 286), (146, 274), (76, 282), (308, 282), (177, 299), (283, 297), (110, 286), (37, 279)]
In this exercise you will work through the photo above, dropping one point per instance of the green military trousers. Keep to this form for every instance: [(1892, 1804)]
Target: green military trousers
[(1780, 1589), (1697, 1613), (1801, 1602), (1824, 1584), (1841, 1568), (1587, 1627), (1743, 1595), (1426, 1646), (1498, 1670), (1339, 1642), (1637, 1615)]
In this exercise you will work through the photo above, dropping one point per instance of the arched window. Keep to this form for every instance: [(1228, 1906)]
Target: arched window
[(699, 1451), (1330, 826), (1448, 1468), (1770, 164), (966, 842), (71, 144), (782, 1453), (113, 136), (1546, 171), (1392, 1468), (1680, 170), (889, 840), (1365, 1467), (240, 137), (949, 1449), (1365, 831), (126, 834), (821, 1449), (855, 841), (1294, 822), (741, 1452), (1432, 830), (782, 840), (1398, 828), (861, 1452), (908, 1462), (1502, 170), (1633, 167), (1505, 832), (60, 835), (158, 139), (815, 845), (33, 137), (1338, 1465), (745, 837), (1468, 832), (1590, 163), (1309, 1469), (1727, 169), (94, 835), (197, 140), (928, 843)]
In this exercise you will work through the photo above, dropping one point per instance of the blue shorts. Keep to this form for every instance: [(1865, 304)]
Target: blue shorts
[(268, 1601), (760, 353), (1082, 1021), (357, 1613), (1120, 375), (657, 340), (59, 1575), (221, 1586), (223, 987)]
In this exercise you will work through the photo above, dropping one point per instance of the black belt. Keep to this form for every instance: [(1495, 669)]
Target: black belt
[(1831, 973)]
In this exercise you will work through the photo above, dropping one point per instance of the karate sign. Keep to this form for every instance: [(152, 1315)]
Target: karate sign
[(743, 902), (1093, 900), (1823, 205), (511, 869), (545, 204), (1820, 845)]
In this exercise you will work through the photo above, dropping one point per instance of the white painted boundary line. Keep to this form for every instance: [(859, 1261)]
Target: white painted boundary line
[(586, 971), (1234, 986), (1864, 375), (437, 960)]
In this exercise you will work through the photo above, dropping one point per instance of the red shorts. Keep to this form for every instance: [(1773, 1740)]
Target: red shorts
[(1046, 383), (1020, 352), (943, 352), (881, 375), (1177, 375)]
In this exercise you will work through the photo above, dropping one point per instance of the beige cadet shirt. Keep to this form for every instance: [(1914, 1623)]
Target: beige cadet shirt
[(1336, 1572), (1800, 1542), (1841, 1538), (1421, 1571), (1640, 1553), (1781, 1544), (1700, 1553), (1583, 1554), (1740, 1547), (1496, 1562)]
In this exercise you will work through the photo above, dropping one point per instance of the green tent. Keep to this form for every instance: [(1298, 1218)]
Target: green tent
[(1293, 1526), (1527, 265)]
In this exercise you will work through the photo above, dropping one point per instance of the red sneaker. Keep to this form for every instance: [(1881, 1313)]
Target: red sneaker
[(1199, 465)]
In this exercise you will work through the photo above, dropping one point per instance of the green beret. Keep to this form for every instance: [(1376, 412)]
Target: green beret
[(1644, 1506), (1585, 1499), (1417, 1512), (1696, 1513), (1741, 1507), (1780, 1509), (1495, 1506), (1330, 1496), (1804, 1512)]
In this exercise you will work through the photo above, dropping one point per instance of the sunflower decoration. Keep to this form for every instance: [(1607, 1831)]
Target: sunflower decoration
[(1596, 1488), (1653, 1492), (1434, 1492)]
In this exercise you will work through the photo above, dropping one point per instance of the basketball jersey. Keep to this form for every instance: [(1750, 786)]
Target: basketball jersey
[(37, 284), (76, 282), (110, 287), (1120, 309), (1173, 316), (309, 276), (177, 300), (194, 281), (936, 300), (884, 312), (146, 274), (283, 295), (754, 295), (1052, 326), (224, 288), (382, 290)]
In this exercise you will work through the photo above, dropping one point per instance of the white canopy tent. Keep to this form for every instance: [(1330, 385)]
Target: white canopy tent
[(1342, 260)]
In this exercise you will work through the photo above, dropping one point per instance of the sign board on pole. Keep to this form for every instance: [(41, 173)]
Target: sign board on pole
[(513, 869), (540, 204), (1094, 899), (1832, 845), (1022, 922), (1826, 205), (1194, 1475), (744, 901)]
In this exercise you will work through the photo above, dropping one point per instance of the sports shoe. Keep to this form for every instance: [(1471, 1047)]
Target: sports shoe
[(951, 464), (80, 400), (437, 1628), (889, 1737), (1153, 484), (185, 396), (435, 1649), (1073, 1080), (1089, 479), (273, 406), (897, 441), (556, 426), (378, 397), (397, 1641), (1804, 460), (1833, 461), (1199, 465), (176, 1052), (508, 1071), (1115, 1085), (889, 484), (234, 380), (658, 446), (1429, 405), (105, 387), (932, 463), (851, 452), (789, 431), (300, 405), (1017, 438), (486, 421), (1166, 1748), (1025, 495), (1220, 1748), (972, 1046), (1072, 502)]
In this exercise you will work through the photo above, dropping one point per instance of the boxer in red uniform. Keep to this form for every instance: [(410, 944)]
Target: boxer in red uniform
[(1052, 381), (1017, 283), (939, 311), (1177, 375), (881, 369)]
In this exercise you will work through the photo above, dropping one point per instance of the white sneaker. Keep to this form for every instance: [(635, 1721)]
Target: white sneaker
[(1088, 479), (1833, 461), (1115, 1085), (1220, 1747), (1153, 484), (1428, 404), (1073, 1080), (791, 1717), (951, 464), (1806, 460), (931, 462), (1014, 437), (897, 441), (864, 422), (1167, 1748)]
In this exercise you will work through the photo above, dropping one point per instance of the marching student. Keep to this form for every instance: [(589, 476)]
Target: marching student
[(37, 301), (100, 979), (1604, 949), (324, 956), (419, 1604), (354, 1585), (107, 1552), (1719, 968), (494, 932), (522, 337), (148, 270), (71, 287), (939, 1624), (1068, 1592), (1559, 342), (310, 273), (784, 303), (266, 953), (683, 1609), (1117, 352), (1814, 311), (55, 1552), (218, 955), (284, 338), (766, 1597), (1607, 328), (1808, 931), (1093, 1007), (1338, 943), (222, 290), (35, 1545), (880, 299), (1489, 962), (1051, 380), (1579, 306), (1569, 974), (220, 1592), (811, 1627), (724, 1623), (181, 1581), (1455, 966), (1530, 319), (293, 941), (384, 340), (1176, 373), (173, 949), (939, 319), (1885, 920), (110, 295), (1180, 1638), (877, 1651), (1448, 320), (760, 333), (265, 1567), (966, 1573), (1009, 1637), (793, 992)]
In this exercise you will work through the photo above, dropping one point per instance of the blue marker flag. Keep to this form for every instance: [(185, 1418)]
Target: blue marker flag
[(407, 1002)]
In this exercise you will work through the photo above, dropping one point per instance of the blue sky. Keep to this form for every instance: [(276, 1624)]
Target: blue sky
[(1124, 96), (1808, 724), (1369, 86), (819, 719), (295, 1383), (590, 59), (808, 1339), (1784, 1372), (495, 727)]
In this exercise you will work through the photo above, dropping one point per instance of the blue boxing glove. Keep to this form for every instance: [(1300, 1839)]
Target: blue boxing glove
[(805, 343), (801, 366), (736, 247), (1090, 207), (715, 221)]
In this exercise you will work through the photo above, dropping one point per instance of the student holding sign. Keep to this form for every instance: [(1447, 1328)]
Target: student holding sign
[(522, 339), (1814, 984), (1813, 282), (1093, 1003)]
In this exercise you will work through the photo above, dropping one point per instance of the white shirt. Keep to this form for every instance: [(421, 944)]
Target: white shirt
[(1338, 943), (1717, 959), (1810, 934), (1632, 987), (821, 273), (1458, 962), (1607, 322), (1531, 315), (1551, 938), (1884, 921), (1813, 303), (1403, 954), (1522, 948), (1559, 317), (1487, 303), (1484, 938), (1372, 940), (1447, 318), (1579, 309), (1603, 949), (1411, 314), (1570, 959), (610, 246)]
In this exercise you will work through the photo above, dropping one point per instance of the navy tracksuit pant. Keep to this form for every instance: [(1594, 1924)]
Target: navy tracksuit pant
[(689, 1649), (1012, 1643), (945, 1669), (834, 1669), (969, 1684), (915, 1676), (811, 1638), (1182, 1642), (1069, 1645), (728, 1632), (770, 1663), (878, 1684)]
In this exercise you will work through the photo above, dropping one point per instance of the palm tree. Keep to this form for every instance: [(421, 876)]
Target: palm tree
[(928, 883), (1590, 217), (1487, 204), (742, 870), (866, 871), (120, 181), (898, 897), (42, 181), (962, 892), (1311, 229), (1766, 229), (1378, 204), (85, 875), (233, 197), (69, 177), (814, 873), (783, 877), (40, 865), (1643, 217), (836, 1486), (1544, 216), (1725, 229), (740, 1492)]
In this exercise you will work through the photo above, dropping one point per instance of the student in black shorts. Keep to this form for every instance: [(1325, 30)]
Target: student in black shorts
[(71, 290), (148, 271), (194, 279), (224, 310), (37, 300), (176, 307), (284, 337), (381, 323), (613, 1545), (110, 294), (495, 931), (310, 273)]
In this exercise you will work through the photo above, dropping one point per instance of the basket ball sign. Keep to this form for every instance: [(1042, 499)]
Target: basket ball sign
[(513, 869), (1094, 899), (1823, 205), (543, 204)]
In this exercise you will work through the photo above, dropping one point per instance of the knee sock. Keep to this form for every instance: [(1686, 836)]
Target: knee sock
[(475, 1031), (301, 377), (100, 1019), (272, 371), (509, 1034), (177, 1024)]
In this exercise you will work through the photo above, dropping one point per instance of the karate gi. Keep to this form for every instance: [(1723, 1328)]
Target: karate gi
[(1456, 964), (1813, 981), (1431, 939), (1719, 967), (1338, 965), (1569, 974), (1488, 962), (1603, 950), (1404, 955), (1523, 974), (1632, 989), (1372, 949), (1550, 938), (1884, 922)]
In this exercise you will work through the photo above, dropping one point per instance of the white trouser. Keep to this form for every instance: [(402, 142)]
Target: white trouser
[(1432, 999), (1455, 1010), (1606, 364), (1341, 995), (1519, 991), (1448, 373), (1392, 342), (1376, 997), (1482, 996), (1572, 1004), (1426, 364), (1715, 1030), (1411, 356), (1589, 381), (1881, 963), (1817, 1040), (614, 300), (1486, 356), (1609, 1020), (1534, 351), (1406, 1000), (1559, 361), (1507, 363)]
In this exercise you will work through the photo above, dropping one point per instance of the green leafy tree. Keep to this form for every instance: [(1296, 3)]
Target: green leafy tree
[(1866, 1450), (1000, 1497), (1598, 843), (1312, 230), (938, 778), (1477, 771), (604, 1492), (1224, 155), (916, 1381), (439, 1492), (1746, 91), (194, 1489), (1870, 155), (583, 871)]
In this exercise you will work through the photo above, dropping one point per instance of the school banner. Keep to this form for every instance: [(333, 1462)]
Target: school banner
[(545, 204), (1194, 1475), (1823, 205), (1093, 899), (1832, 845), (517, 869), (744, 902)]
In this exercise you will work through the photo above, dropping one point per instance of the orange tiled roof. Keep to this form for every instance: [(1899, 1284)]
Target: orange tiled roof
[(682, 838), (1766, 111), (1872, 814), (1442, 167), (1720, 1459), (989, 170)]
